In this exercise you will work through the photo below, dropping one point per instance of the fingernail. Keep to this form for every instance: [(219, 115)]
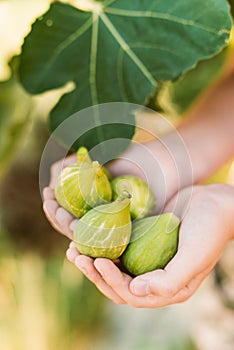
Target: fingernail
[(82, 268), (73, 225), (72, 245), (71, 254), (99, 270), (140, 288)]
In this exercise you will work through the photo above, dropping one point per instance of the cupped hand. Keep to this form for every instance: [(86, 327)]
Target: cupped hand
[(152, 161), (61, 220), (206, 227)]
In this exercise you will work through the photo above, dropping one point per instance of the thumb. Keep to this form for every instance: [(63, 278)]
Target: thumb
[(168, 282)]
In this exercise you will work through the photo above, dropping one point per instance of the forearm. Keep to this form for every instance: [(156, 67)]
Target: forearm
[(226, 203), (190, 153), (209, 130), (198, 147)]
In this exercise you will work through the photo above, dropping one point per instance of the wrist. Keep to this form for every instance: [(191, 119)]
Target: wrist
[(208, 130), (173, 169), (224, 198), (228, 204)]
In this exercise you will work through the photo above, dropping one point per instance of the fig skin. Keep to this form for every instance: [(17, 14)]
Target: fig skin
[(153, 244), (82, 186), (105, 231), (143, 200)]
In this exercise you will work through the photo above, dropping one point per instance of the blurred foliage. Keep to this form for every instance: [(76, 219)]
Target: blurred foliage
[(224, 284), (15, 107), (232, 6), (174, 98), (45, 303), (20, 199)]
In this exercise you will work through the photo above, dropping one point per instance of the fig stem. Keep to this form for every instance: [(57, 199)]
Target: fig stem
[(125, 194), (98, 168), (83, 155)]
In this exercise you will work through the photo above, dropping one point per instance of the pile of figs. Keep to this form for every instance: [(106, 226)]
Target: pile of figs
[(114, 216)]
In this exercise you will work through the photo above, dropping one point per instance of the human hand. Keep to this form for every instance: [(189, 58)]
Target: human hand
[(149, 161), (61, 220), (206, 227)]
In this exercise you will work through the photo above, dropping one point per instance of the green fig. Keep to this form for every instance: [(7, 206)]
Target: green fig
[(83, 185), (143, 199), (153, 243), (104, 231), (83, 156)]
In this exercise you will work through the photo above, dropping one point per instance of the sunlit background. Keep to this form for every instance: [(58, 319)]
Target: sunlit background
[(45, 303)]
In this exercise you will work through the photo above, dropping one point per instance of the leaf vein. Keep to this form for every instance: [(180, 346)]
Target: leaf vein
[(160, 15), (128, 50), (93, 76), (93, 62), (151, 46), (62, 46)]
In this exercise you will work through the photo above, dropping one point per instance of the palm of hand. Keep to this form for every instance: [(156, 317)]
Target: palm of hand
[(200, 245)]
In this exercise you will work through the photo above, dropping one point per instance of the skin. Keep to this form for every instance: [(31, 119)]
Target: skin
[(206, 211)]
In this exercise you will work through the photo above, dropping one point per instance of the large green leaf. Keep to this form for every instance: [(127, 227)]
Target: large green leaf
[(120, 50)]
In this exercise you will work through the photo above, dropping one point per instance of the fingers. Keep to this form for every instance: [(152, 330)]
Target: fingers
[(65, 220), (48, 193), (115, 285), (57, 167), (50, 207), (183, 295), (198, 249), (167, 282), (73, 225), (86, 265), (118, 281), (72, 252), (187, 291), (195, 255), (59, 218)]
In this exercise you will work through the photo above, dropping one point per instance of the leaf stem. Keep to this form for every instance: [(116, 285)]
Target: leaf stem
[(93, 74), (93, 58), (88, 5)]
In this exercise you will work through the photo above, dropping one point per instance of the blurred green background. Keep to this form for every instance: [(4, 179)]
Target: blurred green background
[(45, 303)]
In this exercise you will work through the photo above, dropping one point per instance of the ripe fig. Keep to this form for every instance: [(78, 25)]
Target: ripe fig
[(153, 243), (143, 199), (83, 156), (83, 185), (104, 231)]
